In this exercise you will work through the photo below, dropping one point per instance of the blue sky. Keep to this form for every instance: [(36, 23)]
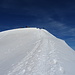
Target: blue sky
[(56, 16)]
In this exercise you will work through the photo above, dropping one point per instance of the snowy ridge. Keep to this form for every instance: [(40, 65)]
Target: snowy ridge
[(34, 51)]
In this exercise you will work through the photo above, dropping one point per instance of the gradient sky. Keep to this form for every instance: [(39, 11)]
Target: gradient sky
[(56, 16)]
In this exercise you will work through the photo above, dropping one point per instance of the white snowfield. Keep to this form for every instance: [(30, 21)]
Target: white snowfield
[(34, 51)]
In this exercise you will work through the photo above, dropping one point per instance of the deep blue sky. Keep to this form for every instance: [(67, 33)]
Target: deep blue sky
[(56, 16)]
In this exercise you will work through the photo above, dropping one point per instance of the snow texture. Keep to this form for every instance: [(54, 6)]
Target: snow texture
[(34, 51)]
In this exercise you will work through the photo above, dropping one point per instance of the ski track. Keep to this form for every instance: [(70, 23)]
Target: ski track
[(43, 59), (46, 70), (21, 64)]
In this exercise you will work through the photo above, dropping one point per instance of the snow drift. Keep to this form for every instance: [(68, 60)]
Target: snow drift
[(33, 51)]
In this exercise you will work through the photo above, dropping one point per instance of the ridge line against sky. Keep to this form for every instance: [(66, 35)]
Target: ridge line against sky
[(58, 17)]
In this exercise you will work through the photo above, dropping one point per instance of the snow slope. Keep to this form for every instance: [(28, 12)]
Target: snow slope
[(33, 51)]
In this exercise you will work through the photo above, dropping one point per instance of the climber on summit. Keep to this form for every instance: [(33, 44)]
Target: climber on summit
[(27, 27)]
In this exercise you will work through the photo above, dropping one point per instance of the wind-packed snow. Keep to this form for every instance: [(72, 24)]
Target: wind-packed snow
[(34, 51)]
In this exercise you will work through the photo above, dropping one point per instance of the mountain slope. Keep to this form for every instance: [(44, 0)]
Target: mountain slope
[(32, 51)]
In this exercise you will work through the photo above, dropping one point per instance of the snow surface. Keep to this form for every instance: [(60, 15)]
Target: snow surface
[(34, 51)]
